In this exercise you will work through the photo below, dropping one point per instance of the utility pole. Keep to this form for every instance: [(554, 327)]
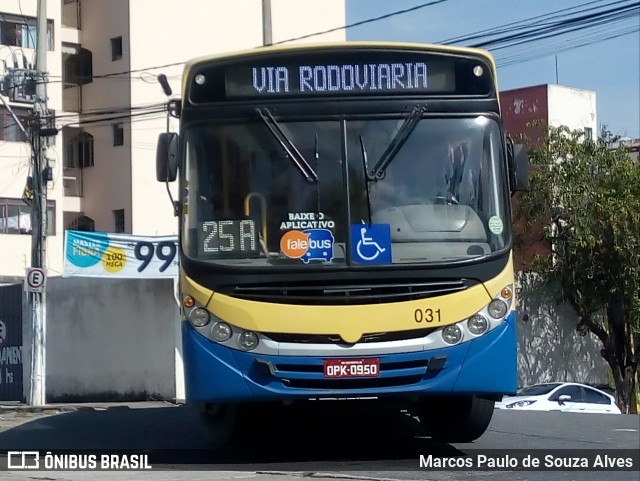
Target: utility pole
[(41, 175), (267, 33)]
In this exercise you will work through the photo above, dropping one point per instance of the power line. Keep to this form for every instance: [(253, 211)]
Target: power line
[(126, 74), (509, 27), (561, 27), (363, 22), (583, 42), (564, 24), (82, 123)]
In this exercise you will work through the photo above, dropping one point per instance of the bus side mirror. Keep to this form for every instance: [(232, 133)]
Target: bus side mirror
[(521, 165), (518, 165), (167, 157)]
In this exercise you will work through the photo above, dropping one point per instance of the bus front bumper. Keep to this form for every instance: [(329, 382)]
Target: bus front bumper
[(216, 374)]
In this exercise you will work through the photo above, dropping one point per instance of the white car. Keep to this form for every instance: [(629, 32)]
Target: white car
[(560, 396)]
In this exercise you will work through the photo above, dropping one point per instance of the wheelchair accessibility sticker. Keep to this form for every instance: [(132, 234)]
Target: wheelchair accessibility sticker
[(371, 244), (308, 244)]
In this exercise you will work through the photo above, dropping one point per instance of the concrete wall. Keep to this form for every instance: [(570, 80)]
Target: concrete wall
[(575, 108), (108, 339), (549, 347)]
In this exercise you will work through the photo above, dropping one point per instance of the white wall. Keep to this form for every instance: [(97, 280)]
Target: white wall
[(171, 32), (108, 339), (575, 108), (296, 18), (549, 347), (197, 28)]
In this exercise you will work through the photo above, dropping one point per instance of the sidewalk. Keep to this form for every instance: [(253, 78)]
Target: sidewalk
[(57, 408)]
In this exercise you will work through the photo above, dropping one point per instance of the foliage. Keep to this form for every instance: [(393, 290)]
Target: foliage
[(586, 194)]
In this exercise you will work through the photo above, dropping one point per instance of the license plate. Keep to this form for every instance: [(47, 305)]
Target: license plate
[(344, 368)]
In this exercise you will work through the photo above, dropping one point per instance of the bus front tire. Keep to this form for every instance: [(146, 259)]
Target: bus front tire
[(219, 422), (456, 419)]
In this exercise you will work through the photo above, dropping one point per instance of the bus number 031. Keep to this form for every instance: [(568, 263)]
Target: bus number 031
[(426, 315)]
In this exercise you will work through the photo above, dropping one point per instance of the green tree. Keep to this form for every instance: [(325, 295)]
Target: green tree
[(587, 195)]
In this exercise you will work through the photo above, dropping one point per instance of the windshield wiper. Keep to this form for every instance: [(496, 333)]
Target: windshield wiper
[(291, 150), (363, 151), (407, 127)]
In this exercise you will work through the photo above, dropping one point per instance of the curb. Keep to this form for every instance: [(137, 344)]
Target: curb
[(24, 410)]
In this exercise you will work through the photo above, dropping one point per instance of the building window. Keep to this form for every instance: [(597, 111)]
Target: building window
[(78, 152), (15, 217), (116, 48), (588, 133), (83, 223), (118, 220), (118, 134), (10, 131), (78, 66), (19, 31)]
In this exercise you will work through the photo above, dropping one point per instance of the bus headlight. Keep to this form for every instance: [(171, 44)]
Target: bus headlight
[(452, 334), (221, 331), (477, 324), (248, 340), (199, 317), (497, 309)]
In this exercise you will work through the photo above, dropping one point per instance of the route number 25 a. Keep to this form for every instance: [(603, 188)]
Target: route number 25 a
[(426, 315)]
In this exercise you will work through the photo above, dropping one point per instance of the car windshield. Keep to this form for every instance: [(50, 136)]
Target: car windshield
[(537, 390), (439, 198)]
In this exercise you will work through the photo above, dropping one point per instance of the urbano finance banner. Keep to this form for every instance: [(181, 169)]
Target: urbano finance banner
[(101, 254)]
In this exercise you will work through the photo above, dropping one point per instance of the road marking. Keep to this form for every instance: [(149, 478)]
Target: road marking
[(626, 430)]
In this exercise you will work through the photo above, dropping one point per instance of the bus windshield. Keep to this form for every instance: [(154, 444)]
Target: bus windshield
[(440, 195)]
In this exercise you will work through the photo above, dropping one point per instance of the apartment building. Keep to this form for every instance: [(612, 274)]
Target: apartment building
[(103, 61)]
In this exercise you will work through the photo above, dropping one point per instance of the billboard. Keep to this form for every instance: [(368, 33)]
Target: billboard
[(101, 254)]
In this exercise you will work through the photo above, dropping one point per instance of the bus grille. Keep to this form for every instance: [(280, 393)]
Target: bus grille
[(337, 384), (330, 293), (336, 339)]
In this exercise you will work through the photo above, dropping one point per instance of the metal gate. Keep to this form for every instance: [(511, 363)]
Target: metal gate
[(11, 343)]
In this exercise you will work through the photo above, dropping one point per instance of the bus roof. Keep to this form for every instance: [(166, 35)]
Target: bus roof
[(337, 45)]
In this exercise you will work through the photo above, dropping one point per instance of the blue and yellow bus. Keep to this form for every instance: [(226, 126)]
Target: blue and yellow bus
[(345, 230)]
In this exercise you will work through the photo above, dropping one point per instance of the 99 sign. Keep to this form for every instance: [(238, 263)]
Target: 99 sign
[(145, 251)]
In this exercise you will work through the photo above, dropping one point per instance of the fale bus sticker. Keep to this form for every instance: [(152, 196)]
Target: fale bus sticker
[(308, 244)]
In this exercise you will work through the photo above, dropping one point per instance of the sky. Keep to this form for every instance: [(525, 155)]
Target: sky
[(611, 67)]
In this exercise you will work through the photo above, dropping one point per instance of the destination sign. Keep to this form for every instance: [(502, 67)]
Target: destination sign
[(341, 73), (341, 78)]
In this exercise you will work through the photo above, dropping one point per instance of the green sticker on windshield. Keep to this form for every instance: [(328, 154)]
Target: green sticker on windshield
[(495, 225)]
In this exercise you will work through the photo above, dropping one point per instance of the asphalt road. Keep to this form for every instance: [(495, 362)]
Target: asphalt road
[(348, 441)]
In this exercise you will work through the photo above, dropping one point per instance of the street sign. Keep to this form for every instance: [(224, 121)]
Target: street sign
[(36, 279)]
